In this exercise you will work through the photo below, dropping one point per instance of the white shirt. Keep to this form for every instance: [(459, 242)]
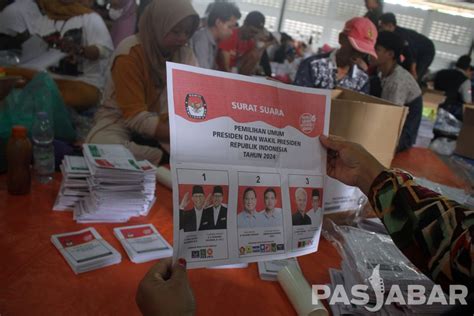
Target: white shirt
[(198, 217), (94, 32), (273, 220), (216, 213), (247, 220), (315, 216), (20, 16)]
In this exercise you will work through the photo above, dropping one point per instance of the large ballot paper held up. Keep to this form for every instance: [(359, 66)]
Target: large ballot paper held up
[(247, 166)]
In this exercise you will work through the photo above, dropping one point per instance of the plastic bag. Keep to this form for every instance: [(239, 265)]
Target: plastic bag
[(40, 94), (443, 146), (447, 124)]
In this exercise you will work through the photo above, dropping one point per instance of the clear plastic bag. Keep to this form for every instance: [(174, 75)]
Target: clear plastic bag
[(447, 124), (443, 146)]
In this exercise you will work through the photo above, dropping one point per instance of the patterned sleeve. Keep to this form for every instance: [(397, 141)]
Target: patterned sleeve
[(435, 233)]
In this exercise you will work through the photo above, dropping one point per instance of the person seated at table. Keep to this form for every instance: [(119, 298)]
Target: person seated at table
[(124, 15), (17, 21), (134, 110), (398, 85), (436, 234), (242, 52), (344, 67), (73, 27), (221, 22), (456, 84)]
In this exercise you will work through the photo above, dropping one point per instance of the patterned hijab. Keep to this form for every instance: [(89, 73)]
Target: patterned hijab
[(157, 20), (59, 11)]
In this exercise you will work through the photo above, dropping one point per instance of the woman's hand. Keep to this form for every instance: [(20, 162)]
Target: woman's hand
[(165, 290), (350, 163)]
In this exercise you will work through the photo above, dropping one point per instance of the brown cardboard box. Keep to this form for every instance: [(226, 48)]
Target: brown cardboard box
[(465, 143), (432, 98), (374, 123)]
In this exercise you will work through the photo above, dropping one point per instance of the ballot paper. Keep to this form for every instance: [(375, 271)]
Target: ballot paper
[(120, 187), (143, 243), (247, 166), (85, 250), (107, 185), (268, 270), (74, 185)]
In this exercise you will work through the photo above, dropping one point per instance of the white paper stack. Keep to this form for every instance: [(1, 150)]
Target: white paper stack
[(120, 186), (143, 243), (268, 270), (74, 184), (85, 250)]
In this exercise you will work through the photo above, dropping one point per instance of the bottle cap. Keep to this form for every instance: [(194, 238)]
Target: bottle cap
[(19, 131)]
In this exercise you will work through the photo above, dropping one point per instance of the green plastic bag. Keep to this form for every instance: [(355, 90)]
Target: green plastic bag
[(40, 95), (20, 107)]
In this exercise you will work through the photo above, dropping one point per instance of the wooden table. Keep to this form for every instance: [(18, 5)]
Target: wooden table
[(35, 279)]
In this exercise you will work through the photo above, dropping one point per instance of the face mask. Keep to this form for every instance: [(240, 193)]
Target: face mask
[(115, 14)]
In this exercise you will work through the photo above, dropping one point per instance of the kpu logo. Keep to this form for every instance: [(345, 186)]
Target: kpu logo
[(196, 106)]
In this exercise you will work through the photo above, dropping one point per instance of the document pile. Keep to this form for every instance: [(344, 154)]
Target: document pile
[(268, 270), (143, 243), (120, 186), (373, 259), (106, 185), (85, 250), (74, 185)]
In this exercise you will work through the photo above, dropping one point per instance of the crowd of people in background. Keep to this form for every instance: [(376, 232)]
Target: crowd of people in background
[(115, 63), (116, 60)]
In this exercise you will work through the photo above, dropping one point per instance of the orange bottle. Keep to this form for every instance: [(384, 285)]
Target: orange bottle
[(19, 153)]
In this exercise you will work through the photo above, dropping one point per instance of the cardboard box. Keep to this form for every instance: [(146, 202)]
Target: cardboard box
[(374, 123), (465, 143), (432, 98)]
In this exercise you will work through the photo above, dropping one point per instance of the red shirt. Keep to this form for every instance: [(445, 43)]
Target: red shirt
[(236, 46)]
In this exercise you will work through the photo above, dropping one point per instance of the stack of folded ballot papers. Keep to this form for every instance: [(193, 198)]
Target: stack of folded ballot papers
[(120, 187), (74, 184), (143, 243), (85, 250)]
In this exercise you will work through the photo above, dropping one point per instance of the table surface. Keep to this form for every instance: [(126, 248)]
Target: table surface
[(35, 279)]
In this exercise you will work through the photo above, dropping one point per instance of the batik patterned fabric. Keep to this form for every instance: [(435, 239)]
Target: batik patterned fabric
[(435, 233), (320, 71)]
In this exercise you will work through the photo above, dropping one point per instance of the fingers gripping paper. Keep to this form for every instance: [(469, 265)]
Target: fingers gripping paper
[(247, 166)]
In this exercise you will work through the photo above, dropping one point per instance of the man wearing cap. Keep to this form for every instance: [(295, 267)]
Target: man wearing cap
[(315, 213), (190, 220), (344, 67), (456, 84), (243, 50), (398, 85), (300, 217), (270, 216), (419, 50), (215, 216)]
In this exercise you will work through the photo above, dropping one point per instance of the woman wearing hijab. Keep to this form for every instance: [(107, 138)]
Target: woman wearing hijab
[(73, 27), (134, 111)]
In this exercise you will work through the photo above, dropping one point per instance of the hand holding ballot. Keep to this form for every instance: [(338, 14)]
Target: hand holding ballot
[(350, 163), (165, 290)]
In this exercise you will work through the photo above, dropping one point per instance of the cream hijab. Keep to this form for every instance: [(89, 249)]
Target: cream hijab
[(157, 20)]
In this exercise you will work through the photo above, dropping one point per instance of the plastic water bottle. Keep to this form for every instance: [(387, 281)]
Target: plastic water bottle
[(43, 149)]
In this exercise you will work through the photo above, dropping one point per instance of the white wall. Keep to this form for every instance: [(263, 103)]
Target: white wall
[(323, 19)]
